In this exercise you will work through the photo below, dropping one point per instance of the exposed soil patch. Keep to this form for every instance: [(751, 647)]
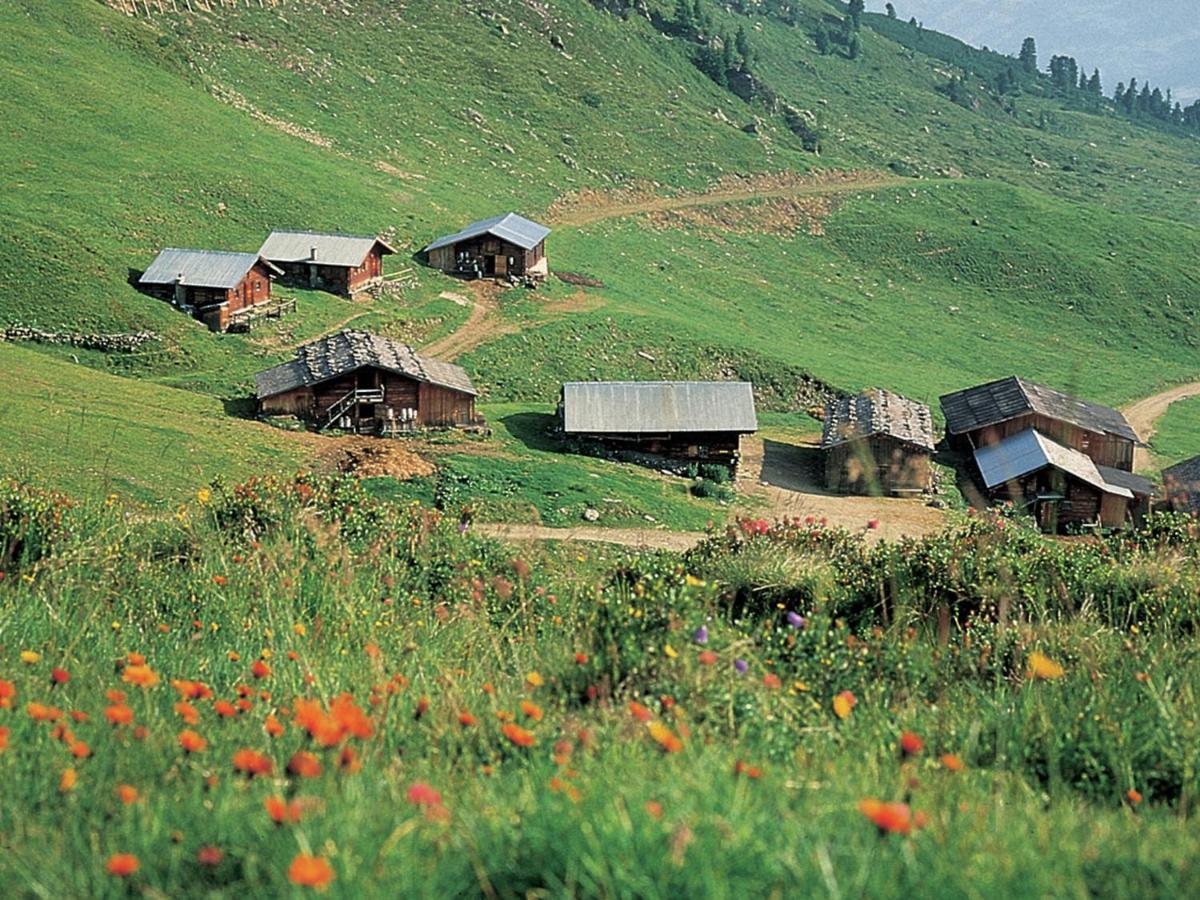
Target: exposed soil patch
[(237, 101), (374, 458), (788, 478), (579, 302), (579, 280), (484, 324)]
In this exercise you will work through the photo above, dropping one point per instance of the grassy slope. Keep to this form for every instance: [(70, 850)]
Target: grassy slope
[(1063, 280), (91, 433), (1178, 434)]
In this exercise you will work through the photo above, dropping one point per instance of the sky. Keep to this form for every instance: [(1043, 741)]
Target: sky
[(1145, 39)]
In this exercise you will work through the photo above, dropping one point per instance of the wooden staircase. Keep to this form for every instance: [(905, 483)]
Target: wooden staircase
[(345, 403)]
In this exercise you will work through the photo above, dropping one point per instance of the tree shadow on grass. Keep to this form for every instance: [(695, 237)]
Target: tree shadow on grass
[(240, 407), (534, 430)]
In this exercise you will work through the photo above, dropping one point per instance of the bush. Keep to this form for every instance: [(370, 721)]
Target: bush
[(33, 523)]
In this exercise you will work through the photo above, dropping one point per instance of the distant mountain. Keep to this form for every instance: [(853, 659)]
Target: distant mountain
[(1154, 39)]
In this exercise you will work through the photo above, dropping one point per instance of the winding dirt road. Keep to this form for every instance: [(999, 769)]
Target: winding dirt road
[(592, 207), (1143, 416), (483, 324)]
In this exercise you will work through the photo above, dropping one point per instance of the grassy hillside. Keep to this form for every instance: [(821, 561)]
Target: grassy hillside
[(1178, 435), (1065, 251)]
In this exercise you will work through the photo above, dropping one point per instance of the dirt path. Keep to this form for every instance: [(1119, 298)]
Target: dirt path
[(625, 537), (1143, 416), (482, 324), (585, 210), (787, 478)]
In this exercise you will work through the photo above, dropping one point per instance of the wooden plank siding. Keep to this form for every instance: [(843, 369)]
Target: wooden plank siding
[(1082, 504), (495, 257), (435, 406), (877, 465), (1103, 449), (343, 280), (214, 306), (717, 446)]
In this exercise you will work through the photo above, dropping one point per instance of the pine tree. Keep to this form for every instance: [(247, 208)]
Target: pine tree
[(856, 10), (891, 10), (744, 49), (854, 46), (1094, 85), (823, 40), (1028, 55)]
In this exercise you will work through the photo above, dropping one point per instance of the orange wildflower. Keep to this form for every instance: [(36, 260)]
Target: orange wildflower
[(707, 658), (260, 669), (1133, 796), (135, 659), (310, 871), (465, 719), (67, 781), (893, 818), (273, 726), (127, 794), (122, 865), (771, 680), (225, 709), (187, 712), (1043, 668), (665, 737), (118, 714), (40, 712), (581, 659), (192, 690), (953, 762), (654, 809), (639, 712), (282, 812), (422, 708), (7, 692), (80, 750), (350, 718), (191, 742), (4, 733), (518, 735), (141, 675), (532, 710), (251, 762), (304, 765), (844, 703), (533, 679), (59, 676), (742, 768), (79, 715)]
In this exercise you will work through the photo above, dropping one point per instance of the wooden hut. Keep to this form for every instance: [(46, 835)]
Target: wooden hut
[(338, 263), (985, 415), (508, 246), (368, 384), (1062, 487), (1181, 484), (678, 419), (213, 286), (877, 443)]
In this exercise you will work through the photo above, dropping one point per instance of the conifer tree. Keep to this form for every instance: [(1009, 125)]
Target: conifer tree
[(1028, 55)]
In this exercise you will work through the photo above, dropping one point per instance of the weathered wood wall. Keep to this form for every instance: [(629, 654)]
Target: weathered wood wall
[(1104, 450), (877, 465)]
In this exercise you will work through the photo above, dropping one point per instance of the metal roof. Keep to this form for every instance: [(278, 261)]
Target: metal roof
[(658, 407), (1008, 398), (218, 269), (331, 249), (1138, 484), (1030, 451), (1182, 483), (338, 354), (877, 412), (509, 227)]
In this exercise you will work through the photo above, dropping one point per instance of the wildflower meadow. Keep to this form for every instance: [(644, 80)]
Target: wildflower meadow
[(285, 687)]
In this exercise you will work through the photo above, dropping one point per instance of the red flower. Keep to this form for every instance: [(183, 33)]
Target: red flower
[(639, 712), (421, 794), (304, 765), (581, 659), (210, 856), (910, 744), (191, 742), (465, 719), (893, 818), (707, 658), (59, 676), (122, 864), (251, 763)]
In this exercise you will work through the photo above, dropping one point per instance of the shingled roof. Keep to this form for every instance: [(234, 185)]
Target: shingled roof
[(510, 227), (217, 269), (1008, 398), (341, 353), (329, 249), (877, 412), (658, 407), (1182, 483), (1031, 451)]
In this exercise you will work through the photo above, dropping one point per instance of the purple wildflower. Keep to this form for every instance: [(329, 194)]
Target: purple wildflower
[(741, 666), (795, 619), (700, 635)]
